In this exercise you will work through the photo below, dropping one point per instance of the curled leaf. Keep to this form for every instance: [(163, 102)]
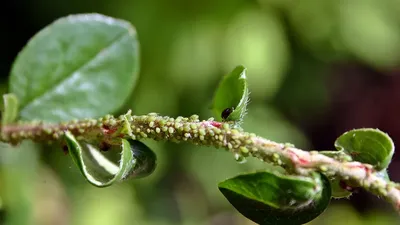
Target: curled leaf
[(145, 160), (136, 161), (338, 191), (231, 97), (367, 145), (273, 198)]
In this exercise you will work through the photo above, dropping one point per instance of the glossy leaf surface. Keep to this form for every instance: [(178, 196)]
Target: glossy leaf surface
[(136, 161), (80, 66), (367, 145), (272, 198), (231, 97)]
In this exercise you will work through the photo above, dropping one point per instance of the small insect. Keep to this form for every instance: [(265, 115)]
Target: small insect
[(104, 146), (65, 149), (225, 114)]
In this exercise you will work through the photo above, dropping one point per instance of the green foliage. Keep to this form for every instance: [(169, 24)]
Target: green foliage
[(137, 161), (338, 191), (232, 96), (80, 66), (370, 34), (10, 111), (87, 65), (17, 197), (257, 38), (370, 146), (273, 198)]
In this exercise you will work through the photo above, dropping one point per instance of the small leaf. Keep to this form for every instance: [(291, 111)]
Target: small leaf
[(125, 129), (136, 161), (273, 198), (80, 66), (145, 161), (338, 191), (231, 97), (370, 146), (10, 111)]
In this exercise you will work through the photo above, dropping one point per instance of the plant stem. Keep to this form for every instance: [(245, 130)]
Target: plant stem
[(209, 133)]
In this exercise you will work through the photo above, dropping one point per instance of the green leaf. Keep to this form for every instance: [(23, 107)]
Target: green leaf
[(367, 145), (338, 155), (80, 66), (231, 97), (136, 161), (273, 198), (10, 111), (338, 191), (125, 129), (146, 161)]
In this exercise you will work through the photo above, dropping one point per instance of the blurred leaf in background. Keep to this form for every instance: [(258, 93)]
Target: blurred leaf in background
[(256, 39), (18, 176)]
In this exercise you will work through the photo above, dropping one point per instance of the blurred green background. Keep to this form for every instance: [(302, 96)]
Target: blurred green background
[(316, 68)]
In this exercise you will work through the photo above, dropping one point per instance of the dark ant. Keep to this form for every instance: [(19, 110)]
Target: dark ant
[(65, 149), (226, 112), (104, 146)]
